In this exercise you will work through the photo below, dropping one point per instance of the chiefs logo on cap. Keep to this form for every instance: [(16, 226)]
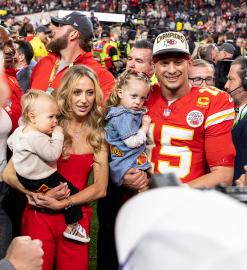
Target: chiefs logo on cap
[(170, 42)]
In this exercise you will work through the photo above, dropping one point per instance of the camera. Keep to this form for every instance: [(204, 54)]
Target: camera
[(170, 179), (123, 41), (238, 193)]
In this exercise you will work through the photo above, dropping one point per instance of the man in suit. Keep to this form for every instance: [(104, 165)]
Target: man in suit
[(236, 86)]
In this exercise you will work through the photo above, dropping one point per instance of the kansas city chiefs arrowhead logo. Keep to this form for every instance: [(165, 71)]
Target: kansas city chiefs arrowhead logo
[(169, 42)]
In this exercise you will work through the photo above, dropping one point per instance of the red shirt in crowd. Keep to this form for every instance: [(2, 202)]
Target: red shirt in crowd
[(13, 106), (41, 75)]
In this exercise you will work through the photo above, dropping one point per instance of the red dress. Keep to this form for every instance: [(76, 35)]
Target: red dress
[(49, 228)]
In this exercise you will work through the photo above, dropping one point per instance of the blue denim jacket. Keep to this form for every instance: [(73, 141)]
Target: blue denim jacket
[(121, 124)]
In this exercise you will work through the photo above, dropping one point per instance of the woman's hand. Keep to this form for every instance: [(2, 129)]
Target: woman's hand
[(59, 193), (136, 179), (43, 201)]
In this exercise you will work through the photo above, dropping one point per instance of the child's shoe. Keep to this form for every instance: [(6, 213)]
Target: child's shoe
[(76, 232)]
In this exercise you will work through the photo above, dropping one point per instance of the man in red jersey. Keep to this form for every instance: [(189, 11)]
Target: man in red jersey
[(191, 126), (70, 46), (191, 132)]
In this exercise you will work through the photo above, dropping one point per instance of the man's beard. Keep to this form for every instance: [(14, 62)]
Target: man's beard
[(58, 44)]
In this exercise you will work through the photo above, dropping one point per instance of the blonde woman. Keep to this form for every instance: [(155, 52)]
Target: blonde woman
[(85, 150)]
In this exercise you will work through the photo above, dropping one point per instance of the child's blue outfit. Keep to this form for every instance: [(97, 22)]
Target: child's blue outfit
[(123, 123)]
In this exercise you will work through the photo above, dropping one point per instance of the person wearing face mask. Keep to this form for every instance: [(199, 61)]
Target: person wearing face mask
[(236, 86)]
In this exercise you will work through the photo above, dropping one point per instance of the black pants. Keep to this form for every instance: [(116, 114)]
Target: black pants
[(73, 213), (107, 210), (5, 223)]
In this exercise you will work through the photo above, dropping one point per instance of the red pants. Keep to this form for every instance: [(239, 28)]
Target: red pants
[(49, 228)]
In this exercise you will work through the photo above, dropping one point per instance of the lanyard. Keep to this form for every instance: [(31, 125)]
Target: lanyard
[(53, 73)]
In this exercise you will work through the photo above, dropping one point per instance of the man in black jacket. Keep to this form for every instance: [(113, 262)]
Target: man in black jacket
[(230, 40), (236, 86)]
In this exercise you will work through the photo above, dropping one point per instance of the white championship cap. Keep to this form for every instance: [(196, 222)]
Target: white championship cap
[(170, 42), (178, 228)]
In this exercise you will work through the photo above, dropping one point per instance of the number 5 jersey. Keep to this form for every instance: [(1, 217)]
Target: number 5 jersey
[(192, 133)]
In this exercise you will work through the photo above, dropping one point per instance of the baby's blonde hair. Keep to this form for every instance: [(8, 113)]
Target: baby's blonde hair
[(29, 100)]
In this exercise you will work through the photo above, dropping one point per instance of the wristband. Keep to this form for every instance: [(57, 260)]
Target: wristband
[(70, 203)]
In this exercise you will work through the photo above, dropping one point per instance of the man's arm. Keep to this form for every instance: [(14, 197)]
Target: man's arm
[(136, 179), (218, 145), (218, 175)]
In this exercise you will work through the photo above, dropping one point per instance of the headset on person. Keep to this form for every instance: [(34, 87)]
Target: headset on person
[(243, 77)]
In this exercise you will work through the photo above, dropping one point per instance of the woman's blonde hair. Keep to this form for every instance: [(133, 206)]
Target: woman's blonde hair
[(123, 80), (205, 52), (94, 118), (29, 100)]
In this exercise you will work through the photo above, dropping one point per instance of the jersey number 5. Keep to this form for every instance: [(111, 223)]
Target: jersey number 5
[(184, 153)]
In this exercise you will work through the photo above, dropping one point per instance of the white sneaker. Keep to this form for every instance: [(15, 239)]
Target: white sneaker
[(78, 233)]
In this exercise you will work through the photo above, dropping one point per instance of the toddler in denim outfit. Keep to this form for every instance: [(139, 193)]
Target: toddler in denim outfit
[(127, 124)]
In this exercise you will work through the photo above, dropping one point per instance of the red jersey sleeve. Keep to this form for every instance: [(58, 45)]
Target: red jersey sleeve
[(219, 148), (14, 107)]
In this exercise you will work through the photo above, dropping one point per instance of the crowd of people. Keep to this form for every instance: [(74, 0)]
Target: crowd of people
[(69, 110), (216, 16)]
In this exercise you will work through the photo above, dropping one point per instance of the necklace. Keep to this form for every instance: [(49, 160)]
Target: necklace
[(76, 133)]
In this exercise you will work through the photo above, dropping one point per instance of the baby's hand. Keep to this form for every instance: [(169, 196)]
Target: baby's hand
[(58, 129), (146, 120)]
